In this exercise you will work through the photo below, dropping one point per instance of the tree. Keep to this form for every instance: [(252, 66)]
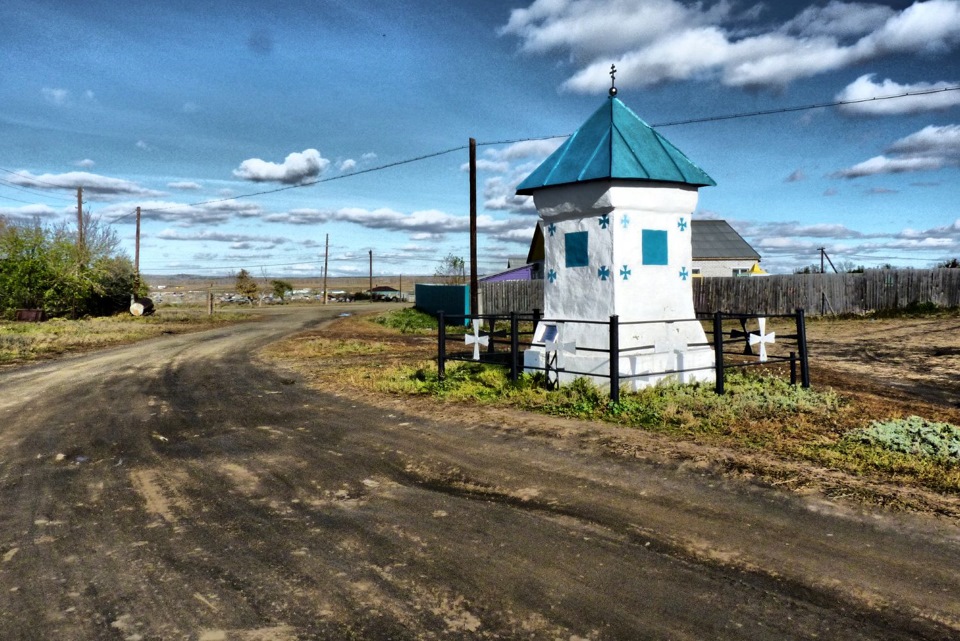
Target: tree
[(453, 270), (246, 286), (950, 264), (280, 288), (42, 268)]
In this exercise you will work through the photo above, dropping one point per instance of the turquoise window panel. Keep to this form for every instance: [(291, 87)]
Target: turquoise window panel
[(575, 244), (654, 247)]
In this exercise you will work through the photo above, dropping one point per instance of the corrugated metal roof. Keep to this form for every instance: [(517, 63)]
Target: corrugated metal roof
[(615, 143), (716, 239)]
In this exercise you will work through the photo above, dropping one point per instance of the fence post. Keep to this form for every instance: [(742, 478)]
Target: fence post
[(491, 328), (793, 368), (615, 358), (441, 346), (802, 348), (537, 315), (718, 350), (514, 347)]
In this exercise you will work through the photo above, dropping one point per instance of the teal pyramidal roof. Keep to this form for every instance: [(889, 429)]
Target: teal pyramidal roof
[(615, 143)]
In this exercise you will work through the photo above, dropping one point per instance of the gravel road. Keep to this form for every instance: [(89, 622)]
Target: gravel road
[(182, 489)]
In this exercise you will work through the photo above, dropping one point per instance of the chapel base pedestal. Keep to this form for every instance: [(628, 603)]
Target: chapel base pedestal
[(637, 371)]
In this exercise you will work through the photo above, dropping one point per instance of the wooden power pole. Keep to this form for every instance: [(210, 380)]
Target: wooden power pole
[(371, 276), (136, 257), (326, 261), (80, 240), (474, 284)]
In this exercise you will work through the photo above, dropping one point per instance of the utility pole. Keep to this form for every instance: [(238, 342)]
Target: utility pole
[(80, 240), (474, 285), (371, 276), (136, 259), (326, 259)]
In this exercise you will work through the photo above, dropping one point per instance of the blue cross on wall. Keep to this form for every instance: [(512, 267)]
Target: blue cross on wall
[(551, 229), (552, 276), (625, 221), (625, 272), (682, 225), (603, 273), (604, 221), (683, 273)]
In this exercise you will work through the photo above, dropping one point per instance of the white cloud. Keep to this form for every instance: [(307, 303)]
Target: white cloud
[(297, 168), (185, 185), (220, 237), (142, 144), (29, 212), (489, 166), (657, 41), (86, 163), (839, 19), (864, 88), (929, 149), (930, 141), (347, 165), (887, 165), (93, 184), (418, 224), (182, 214)]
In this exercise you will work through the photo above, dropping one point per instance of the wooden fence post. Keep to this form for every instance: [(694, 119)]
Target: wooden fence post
[(514, 347), (802, 348), (441, 346), (718, 350)]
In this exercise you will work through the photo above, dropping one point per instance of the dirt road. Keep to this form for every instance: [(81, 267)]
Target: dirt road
[(180, 489)]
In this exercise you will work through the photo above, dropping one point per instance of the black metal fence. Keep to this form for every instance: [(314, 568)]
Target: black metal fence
[(725, 330)]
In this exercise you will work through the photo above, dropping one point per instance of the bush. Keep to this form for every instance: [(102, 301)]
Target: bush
[(912, 435)]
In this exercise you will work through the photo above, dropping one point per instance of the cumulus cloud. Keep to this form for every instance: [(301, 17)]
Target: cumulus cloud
[(93, 184), (864, 88), (347, 165), (298, 167), (657, 41), (931, 148), (86, 163)]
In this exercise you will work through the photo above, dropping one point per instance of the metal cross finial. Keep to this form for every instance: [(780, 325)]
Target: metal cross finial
[(613, 80)]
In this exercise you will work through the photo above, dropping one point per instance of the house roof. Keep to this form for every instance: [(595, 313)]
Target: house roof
[(615, 143), (716, 239)]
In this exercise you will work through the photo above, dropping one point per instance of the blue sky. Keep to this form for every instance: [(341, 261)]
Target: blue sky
[(173, 105)]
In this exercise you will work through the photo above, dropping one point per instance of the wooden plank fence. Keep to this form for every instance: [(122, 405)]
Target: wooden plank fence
[(873, 290)]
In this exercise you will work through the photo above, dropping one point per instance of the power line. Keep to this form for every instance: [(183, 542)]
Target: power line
[(822, 105), (12, 185)]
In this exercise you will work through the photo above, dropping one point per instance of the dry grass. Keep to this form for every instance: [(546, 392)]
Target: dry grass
[(26, 342), (768, 424)]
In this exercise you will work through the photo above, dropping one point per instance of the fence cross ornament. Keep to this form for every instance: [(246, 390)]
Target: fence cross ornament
[(476, 339), (763, 338)]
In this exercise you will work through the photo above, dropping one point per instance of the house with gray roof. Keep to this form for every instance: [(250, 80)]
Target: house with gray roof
[(718, 250)]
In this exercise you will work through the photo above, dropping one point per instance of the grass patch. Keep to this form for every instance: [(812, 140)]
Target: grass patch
[(407, 321), (758, 413), (26, 342)]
